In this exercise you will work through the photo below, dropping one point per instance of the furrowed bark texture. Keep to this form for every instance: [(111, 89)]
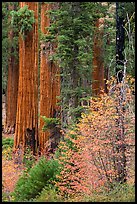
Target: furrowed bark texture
[(49, 82), (27, 105), (12, 87), (98, 66)]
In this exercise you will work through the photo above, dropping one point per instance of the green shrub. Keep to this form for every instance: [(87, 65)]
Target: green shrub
[(7, 142), (50, 122), (48, 194), (7, 145), (32, 183)]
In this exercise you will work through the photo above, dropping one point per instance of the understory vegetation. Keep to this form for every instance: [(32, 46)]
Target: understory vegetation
[(81, 170)]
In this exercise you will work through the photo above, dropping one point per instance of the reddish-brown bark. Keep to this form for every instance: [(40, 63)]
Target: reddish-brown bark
[(49, 82), (27, 105), (12, 86), (98, 66)]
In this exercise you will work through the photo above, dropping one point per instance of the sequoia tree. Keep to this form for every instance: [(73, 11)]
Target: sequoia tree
[(12, 85), (98, 63), (49, 79), (27, 104)]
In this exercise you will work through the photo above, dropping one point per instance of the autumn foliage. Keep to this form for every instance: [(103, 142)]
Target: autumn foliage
[(97, 152)]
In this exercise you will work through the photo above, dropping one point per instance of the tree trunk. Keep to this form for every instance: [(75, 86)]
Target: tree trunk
[(98, 66), (106, 70), (120, 39), (49, 82), (27, 104), (12, 87)]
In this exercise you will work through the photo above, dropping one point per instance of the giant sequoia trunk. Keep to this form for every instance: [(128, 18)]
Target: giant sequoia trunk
[(12, 87), (98, 66), (49, 80), (27, 104)]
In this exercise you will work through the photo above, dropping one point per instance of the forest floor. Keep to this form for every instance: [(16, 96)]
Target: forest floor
[(11, 171)]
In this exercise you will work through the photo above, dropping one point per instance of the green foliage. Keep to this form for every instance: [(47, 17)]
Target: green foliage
[(67, 143), (7, 145), (109, 43), (23, 19), (48, 194), (7, 151), (31, 184), (7, 142), (74, 52), (121, 193), (130, 37), (128, 10), (50, 122), (6, 43), (76, 111)]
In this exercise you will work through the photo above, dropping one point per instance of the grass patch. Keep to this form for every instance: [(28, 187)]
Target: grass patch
[(121, 193), (7, 142)]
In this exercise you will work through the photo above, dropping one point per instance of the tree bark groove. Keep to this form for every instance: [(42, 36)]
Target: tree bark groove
[(12, 87), (98, 65), (49, 80), (27, 105)]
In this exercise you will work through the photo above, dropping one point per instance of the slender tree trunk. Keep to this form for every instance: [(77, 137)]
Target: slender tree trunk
[(49, 80), (12, 87), (120, 39), (27, 104), (98, 66)]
